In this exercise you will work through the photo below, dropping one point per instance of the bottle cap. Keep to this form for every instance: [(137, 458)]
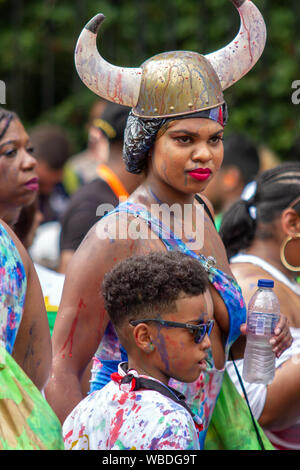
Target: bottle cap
[(265, 283)]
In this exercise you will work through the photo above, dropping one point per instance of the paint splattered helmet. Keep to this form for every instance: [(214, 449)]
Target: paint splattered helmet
[(173, 83)]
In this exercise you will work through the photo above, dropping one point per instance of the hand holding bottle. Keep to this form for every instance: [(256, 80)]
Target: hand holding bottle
[(262, 325), (281, 339)]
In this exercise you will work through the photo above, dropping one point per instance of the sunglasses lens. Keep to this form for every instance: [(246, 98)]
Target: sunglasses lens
[(201, 332)]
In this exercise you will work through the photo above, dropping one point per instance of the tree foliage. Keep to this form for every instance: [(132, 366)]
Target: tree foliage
[(38, 38)]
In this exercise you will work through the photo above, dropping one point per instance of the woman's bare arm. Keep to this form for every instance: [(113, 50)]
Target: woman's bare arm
[(81, 319), (282, 406)]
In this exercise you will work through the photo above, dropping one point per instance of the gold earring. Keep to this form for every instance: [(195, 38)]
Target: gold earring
[(282, 253)]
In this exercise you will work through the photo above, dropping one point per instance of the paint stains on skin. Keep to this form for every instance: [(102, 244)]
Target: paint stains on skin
[(160, 344), (70, 337)]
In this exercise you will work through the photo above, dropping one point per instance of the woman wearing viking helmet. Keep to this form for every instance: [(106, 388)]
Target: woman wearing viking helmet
[(174, 135)]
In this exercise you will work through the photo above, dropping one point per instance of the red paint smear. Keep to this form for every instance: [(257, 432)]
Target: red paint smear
[(138, 408), (123, 398), (69, 434), (249, 38), (166, 88), (134, 406), (128, 396), (118, 424), (72, 330), (81, 431)]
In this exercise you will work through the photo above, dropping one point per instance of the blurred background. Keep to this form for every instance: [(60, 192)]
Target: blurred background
[(38, 38)]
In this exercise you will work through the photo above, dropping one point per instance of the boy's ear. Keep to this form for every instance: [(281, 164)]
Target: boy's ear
[(142, 337)]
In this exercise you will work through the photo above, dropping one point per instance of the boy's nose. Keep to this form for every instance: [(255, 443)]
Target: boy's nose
[(206, 343)]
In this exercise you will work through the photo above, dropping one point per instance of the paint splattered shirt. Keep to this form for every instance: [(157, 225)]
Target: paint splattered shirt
[(12, 290), (115, 418)]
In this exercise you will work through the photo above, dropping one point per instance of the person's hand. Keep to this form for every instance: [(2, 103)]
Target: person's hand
[(282, 338)]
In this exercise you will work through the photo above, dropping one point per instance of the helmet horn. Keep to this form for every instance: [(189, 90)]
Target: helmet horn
[(118, 84), (236, 59), (123, 84)]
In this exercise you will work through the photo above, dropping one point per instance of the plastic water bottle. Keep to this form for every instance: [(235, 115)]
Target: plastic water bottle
[(262, 318)]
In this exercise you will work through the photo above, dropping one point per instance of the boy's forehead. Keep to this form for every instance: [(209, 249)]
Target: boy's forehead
[(198, 307)]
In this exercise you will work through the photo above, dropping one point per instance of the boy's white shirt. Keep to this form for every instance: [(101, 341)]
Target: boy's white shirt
[(115, 419)]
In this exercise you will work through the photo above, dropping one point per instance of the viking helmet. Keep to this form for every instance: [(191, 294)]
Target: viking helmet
[(173, 83)]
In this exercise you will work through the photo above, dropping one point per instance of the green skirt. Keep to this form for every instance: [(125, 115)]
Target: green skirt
[(231, 426), (27, 422)]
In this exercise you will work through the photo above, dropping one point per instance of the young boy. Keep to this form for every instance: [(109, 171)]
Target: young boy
[(158, 305)]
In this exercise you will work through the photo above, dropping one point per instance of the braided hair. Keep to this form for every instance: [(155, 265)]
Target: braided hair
[(245, 220), (5, 119)]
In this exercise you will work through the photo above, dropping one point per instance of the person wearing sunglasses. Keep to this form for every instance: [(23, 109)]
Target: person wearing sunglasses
[(163, 317), (174, 138)]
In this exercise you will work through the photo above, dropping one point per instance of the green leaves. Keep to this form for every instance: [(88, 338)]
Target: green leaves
[(38, 38)]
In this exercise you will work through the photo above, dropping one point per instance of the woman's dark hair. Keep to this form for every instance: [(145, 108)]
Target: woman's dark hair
[(143, 286), (6, 117), (275, 191)]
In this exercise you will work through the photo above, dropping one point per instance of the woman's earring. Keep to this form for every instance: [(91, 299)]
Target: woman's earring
[(282, 253), (150, 347)]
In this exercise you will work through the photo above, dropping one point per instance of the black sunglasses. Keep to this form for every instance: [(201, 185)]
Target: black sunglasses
[(199, 331)]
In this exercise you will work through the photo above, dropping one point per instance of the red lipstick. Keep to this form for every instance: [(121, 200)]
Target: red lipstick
[(33, 184), (200, 174)]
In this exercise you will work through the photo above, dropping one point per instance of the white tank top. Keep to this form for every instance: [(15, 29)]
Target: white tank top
[(256, 393), (274, 272)]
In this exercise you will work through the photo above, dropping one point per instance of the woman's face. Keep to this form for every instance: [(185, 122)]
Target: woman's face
[(18, 179), (188, 154)]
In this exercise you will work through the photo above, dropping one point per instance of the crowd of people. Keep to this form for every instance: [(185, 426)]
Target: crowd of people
[(124, 326)]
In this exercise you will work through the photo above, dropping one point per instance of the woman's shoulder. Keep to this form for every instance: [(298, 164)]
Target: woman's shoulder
[(115, 237), (247, 276)]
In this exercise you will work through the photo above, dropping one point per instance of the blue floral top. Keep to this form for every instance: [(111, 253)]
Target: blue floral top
[(12, 290)]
